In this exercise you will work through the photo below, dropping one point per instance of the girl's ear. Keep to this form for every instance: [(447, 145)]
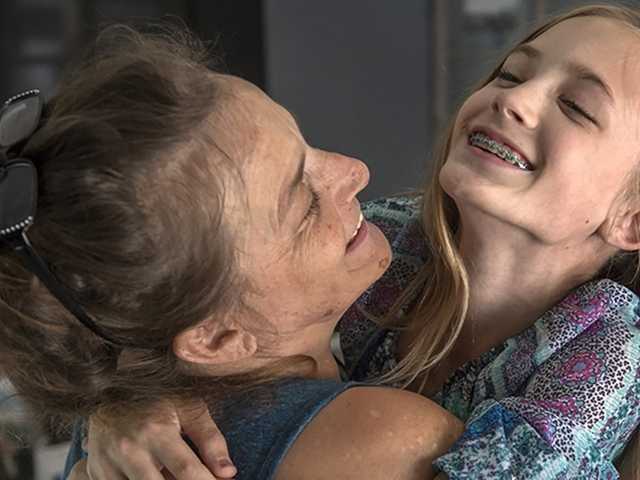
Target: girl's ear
[(623, 231), (213, 343)]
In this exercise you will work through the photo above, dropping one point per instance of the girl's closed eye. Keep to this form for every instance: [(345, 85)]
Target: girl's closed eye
[(507, 76), (575, 108)]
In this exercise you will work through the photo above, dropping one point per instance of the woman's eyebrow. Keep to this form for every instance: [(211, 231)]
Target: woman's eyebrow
[(582, 72)]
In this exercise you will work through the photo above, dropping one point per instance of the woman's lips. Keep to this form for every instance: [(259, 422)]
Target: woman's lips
[(359, 238)]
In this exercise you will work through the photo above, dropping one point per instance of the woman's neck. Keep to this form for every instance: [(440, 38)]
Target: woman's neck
[(313, 342)]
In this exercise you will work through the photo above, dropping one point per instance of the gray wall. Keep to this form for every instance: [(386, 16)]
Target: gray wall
[(377, 79), (354, 73)]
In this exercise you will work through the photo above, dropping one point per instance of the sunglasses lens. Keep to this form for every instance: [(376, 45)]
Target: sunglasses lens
[(18, 193), (18, 120)]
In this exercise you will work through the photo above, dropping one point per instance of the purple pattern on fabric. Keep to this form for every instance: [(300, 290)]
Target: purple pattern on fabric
[(570, 384)]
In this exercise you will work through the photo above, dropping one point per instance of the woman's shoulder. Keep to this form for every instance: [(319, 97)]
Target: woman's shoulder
[(277, 430), (375, 433), (262, 423)]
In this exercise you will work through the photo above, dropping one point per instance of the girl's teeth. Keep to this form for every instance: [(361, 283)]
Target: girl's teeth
[(505, 153)]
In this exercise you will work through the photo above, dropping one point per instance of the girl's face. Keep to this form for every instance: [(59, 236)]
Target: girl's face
[(304, 246), (548, 144)]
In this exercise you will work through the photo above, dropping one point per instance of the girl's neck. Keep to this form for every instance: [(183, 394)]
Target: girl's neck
[(515, 278)]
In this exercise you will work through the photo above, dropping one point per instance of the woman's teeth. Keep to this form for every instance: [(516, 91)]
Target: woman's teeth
[(360, 220), (500, 150)]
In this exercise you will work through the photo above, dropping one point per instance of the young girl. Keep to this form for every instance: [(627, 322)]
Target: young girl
[(534, 199)]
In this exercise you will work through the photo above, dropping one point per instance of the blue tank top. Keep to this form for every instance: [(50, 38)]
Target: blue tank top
[(260, 425)]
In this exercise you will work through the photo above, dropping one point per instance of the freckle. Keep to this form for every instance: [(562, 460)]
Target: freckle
[(375, 413), (587, 221), (383, 263)]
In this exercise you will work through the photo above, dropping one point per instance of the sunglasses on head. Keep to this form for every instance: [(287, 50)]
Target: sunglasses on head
[(20, 117)]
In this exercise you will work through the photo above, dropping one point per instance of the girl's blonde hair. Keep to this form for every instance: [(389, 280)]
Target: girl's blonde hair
[(443, 281)]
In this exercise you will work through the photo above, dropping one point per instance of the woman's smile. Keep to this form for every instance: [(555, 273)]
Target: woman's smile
[(359, 235)]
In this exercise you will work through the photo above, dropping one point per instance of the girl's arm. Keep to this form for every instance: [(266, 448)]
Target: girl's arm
[(143, 449)]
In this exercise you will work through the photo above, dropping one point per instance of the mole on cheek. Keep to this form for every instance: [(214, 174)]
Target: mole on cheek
[(587, 221)]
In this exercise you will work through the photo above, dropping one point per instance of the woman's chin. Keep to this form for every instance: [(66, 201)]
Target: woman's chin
[(371, 259)]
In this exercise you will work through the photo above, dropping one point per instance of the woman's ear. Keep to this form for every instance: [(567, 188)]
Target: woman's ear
[(623, 231), (213, 343)]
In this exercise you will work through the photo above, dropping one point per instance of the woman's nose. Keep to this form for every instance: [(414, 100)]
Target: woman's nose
[(351, 178)]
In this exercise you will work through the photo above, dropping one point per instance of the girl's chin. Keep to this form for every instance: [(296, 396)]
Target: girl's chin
[(453, 179)]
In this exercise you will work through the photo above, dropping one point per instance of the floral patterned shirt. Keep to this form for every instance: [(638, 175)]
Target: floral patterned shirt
[(558, 401)]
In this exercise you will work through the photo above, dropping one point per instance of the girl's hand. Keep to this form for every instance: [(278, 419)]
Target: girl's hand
[(79, 472), (153, 448)]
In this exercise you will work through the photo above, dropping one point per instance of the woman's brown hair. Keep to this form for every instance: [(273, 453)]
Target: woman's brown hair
[(130, 219)]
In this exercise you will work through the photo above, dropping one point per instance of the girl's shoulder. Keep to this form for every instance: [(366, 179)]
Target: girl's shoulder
[(399, 218)]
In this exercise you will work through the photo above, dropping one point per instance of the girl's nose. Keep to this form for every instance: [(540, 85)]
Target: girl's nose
[(519, 104)]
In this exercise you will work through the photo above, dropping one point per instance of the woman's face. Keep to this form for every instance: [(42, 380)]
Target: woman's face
[(548, 145), (304, 247)]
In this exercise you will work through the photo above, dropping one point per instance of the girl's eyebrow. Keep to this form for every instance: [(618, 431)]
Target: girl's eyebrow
[(581, 71)]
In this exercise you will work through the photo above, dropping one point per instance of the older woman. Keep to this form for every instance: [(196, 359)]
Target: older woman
[(168, 232)]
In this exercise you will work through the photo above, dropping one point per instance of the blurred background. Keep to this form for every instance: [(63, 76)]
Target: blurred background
[(375, 79)]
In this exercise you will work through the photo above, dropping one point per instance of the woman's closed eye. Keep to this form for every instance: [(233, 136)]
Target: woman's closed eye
[(313, 205)]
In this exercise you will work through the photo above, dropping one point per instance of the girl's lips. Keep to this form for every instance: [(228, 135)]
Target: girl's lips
[(494, 159), (359, 238), (497, 137)]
